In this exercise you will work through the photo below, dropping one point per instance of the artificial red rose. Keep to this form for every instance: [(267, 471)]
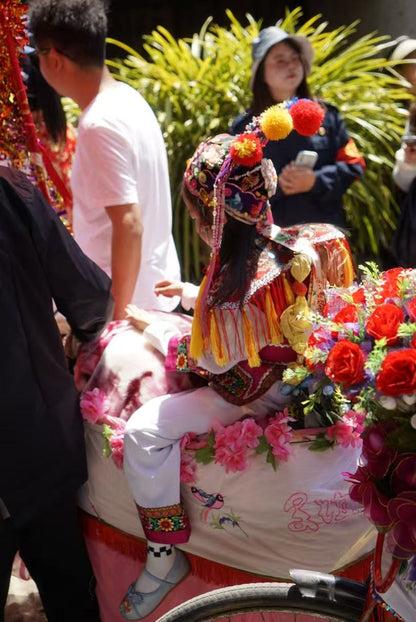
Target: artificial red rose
[(345, 363), (347, 315), (390, 284), (397, 375), (384, 322), (411, 309), (359, 296), (393, 275), (322, 339)]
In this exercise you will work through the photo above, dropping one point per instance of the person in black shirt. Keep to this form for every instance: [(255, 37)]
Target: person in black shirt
[(42, 455)]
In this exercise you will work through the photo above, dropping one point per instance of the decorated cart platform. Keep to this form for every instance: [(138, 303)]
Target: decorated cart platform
[(250, 521)]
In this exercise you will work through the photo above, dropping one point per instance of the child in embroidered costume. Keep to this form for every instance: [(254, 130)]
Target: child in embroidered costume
[(249, 323)]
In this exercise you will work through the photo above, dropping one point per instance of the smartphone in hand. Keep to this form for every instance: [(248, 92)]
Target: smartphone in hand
[(306, 158), (409, 139)]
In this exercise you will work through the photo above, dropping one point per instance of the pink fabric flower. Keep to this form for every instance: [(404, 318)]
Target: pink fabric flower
[(231, 460), (344, 434), (348, 431), (188, 468), (192, 441), (279, 434), (355, 419), (94, 406), (229, 437), (117, 448), (116, 424), (250, 433)]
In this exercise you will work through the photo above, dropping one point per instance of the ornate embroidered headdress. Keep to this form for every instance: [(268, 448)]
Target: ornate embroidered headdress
[(229, 175)]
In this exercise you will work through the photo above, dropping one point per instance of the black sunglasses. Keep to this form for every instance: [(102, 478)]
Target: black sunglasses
[(45, 52)]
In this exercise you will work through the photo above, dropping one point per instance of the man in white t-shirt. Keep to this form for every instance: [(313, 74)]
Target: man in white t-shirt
[(122, 216)]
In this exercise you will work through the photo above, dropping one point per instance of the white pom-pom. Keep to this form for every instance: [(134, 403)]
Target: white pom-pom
[(409, 399), (388, 402)]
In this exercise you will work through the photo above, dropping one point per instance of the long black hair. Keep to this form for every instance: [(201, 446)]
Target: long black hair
[(43, 97), (262, 97), (238, 256)]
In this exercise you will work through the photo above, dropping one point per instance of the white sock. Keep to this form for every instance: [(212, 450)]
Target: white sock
[(160, 559)]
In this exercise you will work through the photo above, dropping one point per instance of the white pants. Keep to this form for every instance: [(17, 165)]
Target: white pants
[(152, 453)]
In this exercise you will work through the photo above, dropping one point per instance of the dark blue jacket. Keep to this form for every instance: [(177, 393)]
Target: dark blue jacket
[(323, 203), (42, 453)]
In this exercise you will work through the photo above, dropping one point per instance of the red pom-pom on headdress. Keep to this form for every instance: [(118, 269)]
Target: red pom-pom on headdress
[(307, 116), (246, 150)]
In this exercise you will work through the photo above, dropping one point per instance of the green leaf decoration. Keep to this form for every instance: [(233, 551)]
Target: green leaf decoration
[(370, 272), (271, 459), (106, 433), (376, 356), (320, 443), (263, 445), (204, 455), (403, 439), (210, 438), (407, 331), (295, 375)]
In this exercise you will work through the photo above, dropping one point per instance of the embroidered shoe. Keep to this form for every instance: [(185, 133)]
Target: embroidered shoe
[(137, 605)]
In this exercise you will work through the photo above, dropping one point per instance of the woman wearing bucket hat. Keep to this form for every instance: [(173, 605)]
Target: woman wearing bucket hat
[(281, 64)]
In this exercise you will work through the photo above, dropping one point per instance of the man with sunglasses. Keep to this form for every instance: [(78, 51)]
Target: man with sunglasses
[(122, 215)]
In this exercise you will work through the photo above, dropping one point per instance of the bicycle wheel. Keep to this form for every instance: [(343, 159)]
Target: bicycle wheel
[(315, 596)]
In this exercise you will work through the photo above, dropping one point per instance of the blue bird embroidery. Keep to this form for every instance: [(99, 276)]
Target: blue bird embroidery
[(208, 500)]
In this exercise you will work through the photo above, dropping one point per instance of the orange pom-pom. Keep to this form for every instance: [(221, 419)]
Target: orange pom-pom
[(307, 116)]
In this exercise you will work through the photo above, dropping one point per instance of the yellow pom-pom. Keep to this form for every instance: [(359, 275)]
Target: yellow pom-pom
[(276, 122)]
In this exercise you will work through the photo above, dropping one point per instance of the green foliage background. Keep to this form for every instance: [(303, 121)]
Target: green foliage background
[(196, 86)]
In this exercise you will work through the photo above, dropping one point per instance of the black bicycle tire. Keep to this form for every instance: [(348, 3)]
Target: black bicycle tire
[(262, 598)]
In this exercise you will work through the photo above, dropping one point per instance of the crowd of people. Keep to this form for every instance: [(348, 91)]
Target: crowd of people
[(122, 261)]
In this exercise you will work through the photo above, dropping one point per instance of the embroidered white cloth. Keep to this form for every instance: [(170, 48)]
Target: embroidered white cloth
[(259, 520)]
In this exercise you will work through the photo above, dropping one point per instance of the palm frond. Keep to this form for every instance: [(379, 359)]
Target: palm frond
[(197, 85)]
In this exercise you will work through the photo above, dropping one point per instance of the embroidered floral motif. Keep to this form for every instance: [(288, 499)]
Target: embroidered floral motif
[(168, 519), (182, 362)]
